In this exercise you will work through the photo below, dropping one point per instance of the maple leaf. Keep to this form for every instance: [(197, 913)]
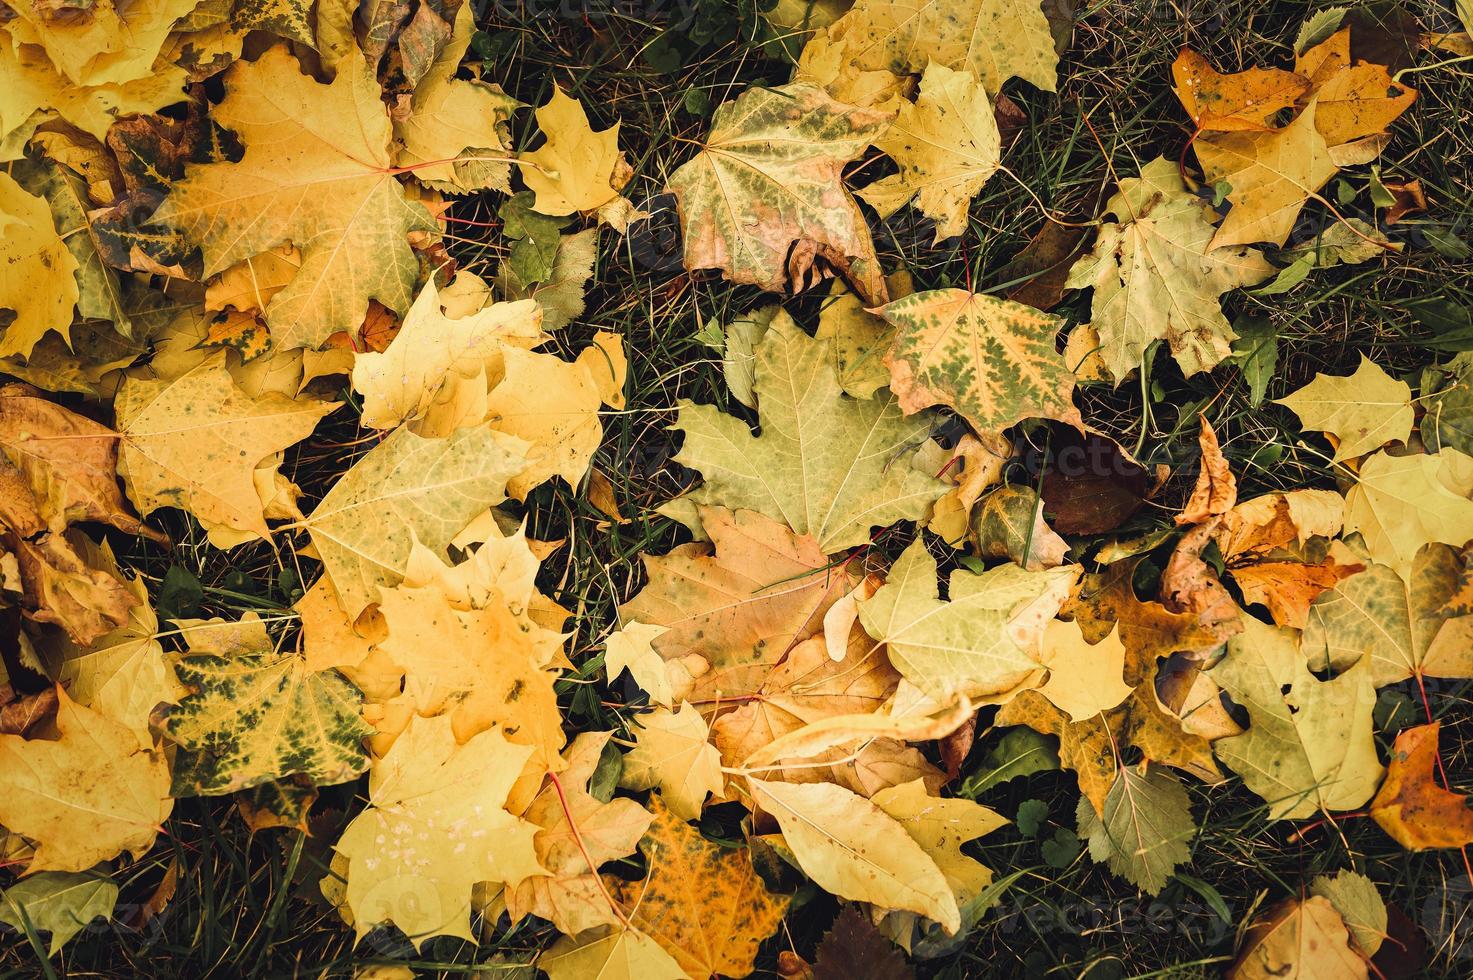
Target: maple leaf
[(1447, 396), (860, 338), (1150, 630), (1243, 101), (434, 372), (576, 169), (559, 292), (1397, 621), (826, 465), (257, 715), (1400, 503), (59, 903), (994, 39), (484, 667), (434, 828), (85, 797), (734, 607), (982, 642), (196, 441), (37, 272), (57, 584), (768, 176), (717, 934), (808, 687), (450, 118), (318, 173), (1143, 830), (1352, 101), (406, 489), (67, 460), (852, 848), (99, 293), (1410, 806), (941, 827), (946, 145), (1085, 679), (574, 828), (249, 284), (671, 753), (1271, 174), (1274, 547), (110, 45), (1363, 411), (1157, 275), (632, 648), (992, 360), (1308, 748), (552, 405), (974, 465), (1298, 937)]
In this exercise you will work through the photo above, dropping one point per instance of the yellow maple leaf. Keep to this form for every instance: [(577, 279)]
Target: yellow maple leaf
[(553, 405), (994, 39), (575, 828), (715, 931), (1271, 176), (36, 92), (1400, 503), (672, 754), (434, 828), (609, 953), (1363, 411), (434, 372), (852, 848), (947, 146), (195, 442), (85, 797), (1085, 679), (454, 130), (318, 173), (576, 169), (112, 44), (37, 272)]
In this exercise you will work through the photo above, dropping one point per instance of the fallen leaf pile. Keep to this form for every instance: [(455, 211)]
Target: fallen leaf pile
[(187, 297)]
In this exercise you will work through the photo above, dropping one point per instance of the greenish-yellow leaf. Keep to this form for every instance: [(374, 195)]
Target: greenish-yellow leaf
[(826, 465), (407, 489), (1157, 276)]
